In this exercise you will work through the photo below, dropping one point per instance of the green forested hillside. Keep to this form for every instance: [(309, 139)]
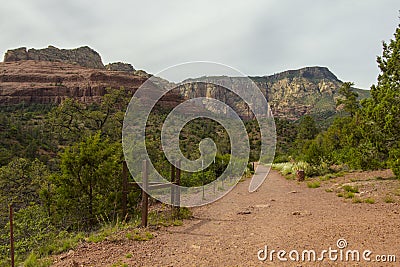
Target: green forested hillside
[(367, 135), (63, 164)]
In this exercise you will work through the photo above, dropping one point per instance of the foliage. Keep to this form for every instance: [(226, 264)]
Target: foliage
[(349, 188), (288, 168), (33, 261), (21, 181), (369, 137), (369, 200), (23, 133), (32, 230), (389, 199), (382, 111), (394, 161), (348, 195), (71, 164), (72, 120), (307, 128), (286, 132), (89, 180), (140, 235), (314, 184), (349, 100)]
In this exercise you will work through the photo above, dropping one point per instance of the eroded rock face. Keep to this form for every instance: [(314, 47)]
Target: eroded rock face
[(16, 54), (45, 82), (83, 56), (293, 94), (120, 66), (290, 94)]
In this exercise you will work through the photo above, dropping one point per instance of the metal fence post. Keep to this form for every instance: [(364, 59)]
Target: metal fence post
[(124, 190), (145, 197), (178, 183), (173, 170)]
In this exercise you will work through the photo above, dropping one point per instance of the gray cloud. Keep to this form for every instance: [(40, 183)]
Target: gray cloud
[(257, 37)]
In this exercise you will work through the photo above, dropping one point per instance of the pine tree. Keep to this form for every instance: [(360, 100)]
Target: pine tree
[(349, 100), (382, 110), (89, 178), (307, 129)]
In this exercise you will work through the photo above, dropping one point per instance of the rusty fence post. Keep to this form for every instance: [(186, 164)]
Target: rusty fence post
[(145, 197), (175, 190), (124, 190), (178, 183), (173, 170), (11, 235)]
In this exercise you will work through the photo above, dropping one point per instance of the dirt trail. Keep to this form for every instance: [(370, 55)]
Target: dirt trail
[(281, 214)]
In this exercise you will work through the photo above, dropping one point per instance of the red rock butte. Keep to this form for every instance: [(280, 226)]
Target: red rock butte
[(50, 75)]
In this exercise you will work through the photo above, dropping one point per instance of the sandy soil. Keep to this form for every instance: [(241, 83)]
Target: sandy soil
[(282, 215)]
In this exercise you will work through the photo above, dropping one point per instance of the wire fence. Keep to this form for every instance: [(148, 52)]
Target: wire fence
[(33, 226)]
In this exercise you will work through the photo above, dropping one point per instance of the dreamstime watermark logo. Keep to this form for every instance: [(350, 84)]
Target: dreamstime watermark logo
[(339, 253), (223, 110)]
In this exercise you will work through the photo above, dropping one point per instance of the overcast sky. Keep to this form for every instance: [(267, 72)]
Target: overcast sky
[(256, 37)]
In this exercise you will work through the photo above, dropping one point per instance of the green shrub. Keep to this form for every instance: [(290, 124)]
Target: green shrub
[(33, 261), (129, 255), (288, 168), (349, 195), (177, 222), (389, 199), (394, 161), (315, 184), (283, 165), (327, 177), (142, 236), (369, 200), (349, 188), (102, 234), (64, 241), (281, 158), (32, 230)]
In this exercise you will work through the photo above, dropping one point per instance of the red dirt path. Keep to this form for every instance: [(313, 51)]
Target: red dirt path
[(281, 214)]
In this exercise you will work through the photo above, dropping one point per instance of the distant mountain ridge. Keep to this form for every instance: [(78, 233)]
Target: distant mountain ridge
[(290, 94), (308, 90), (51, 74), (312, 73)]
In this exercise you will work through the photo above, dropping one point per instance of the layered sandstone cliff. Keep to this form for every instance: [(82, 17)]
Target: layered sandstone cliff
[(45, 82)]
